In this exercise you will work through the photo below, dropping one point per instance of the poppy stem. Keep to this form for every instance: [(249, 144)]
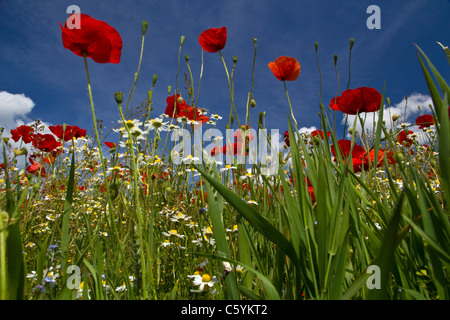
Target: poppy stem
[(231, 93), (199, 81), (290, 106), (102, 159)]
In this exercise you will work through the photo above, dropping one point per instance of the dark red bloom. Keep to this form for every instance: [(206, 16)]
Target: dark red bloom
[(232, 148), (110, 144), (213, 40), (45, 142), (357, 153), (101, 42), (286, 138), (319, 133), (24, 132), (177, 108), (352, 101), (69, 133), (424, 121), (285, 68), (311, 191), (403, 139), (35, 168)]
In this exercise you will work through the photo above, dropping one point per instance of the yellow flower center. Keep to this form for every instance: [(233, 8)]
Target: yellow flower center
[(206, 278)]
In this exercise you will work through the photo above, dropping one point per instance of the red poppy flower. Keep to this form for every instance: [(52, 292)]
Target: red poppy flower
[(177, 108), (35, 168), (213, 40), (101, 42), (311, 191), (357, 154), (24, 132), (45, 142), (110, 144), (319, 133), (403, 139), (248, 135), (424, 121), (285, 68), (371, 159), (286, 138), (352, 101), (69, 133)]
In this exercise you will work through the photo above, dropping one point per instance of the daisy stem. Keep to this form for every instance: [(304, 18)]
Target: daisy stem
[(231, 93), (138, 208)]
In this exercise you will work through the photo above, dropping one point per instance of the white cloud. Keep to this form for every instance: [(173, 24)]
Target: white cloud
[(14, 109)]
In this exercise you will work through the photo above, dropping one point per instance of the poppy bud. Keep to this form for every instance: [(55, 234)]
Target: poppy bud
[(150, 95), (254, 40), (235, 59), (261, 118), (144, 27), (231, 119), (388, 101), (182, 40), (252, 103), (155, 77), (169, 88), (316, 46), (395, 117), (180, 100), (186, 57), (119, 97), (352, 42), (335, 59), (350, 130)]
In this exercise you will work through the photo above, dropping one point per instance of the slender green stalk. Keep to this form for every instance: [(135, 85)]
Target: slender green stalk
[(233, 108), (138, 207), (136, 76), (290, 106), (102, 159), (3, 272)]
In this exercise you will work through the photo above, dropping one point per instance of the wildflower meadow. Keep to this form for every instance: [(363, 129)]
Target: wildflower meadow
[(176, 203)]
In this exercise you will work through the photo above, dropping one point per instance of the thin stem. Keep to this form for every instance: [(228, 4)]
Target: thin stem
[(337, 93), (250, 95), (135, 77), (231, 93), (102, 159), (199, 81), (290, 106), (138, 207)]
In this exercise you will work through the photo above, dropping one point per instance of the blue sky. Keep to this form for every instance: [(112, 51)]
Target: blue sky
[(34, 62)]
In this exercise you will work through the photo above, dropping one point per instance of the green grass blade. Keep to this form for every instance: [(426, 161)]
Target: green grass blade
[(66, 215), (221, 241), (257, 221)]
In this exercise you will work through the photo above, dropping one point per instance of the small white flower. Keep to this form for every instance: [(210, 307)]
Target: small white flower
[(203, 281), (173, 233)]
